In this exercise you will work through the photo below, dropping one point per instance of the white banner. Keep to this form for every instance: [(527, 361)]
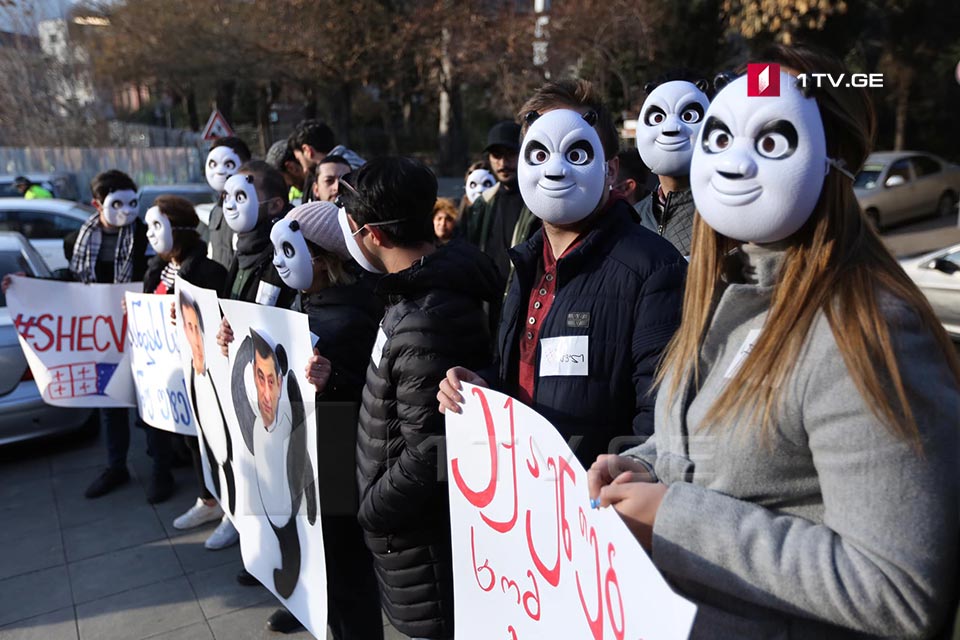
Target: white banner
[(531, 559), (162, 398), (74, 337)]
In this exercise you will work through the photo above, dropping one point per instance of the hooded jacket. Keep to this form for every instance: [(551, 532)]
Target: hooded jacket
[(434, 320)]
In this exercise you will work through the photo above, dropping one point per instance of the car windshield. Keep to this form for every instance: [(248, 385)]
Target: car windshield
[(867, 178), (12, 262)]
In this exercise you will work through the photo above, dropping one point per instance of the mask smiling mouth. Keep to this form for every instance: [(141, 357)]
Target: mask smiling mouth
[(672, 144), (736, 196), (556, 191)]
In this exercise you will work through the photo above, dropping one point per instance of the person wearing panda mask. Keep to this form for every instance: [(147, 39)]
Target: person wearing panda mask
[(802, 479), (596, 297), (670, 119), (225, 158)]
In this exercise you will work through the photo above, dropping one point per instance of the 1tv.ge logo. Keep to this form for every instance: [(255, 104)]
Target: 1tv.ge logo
[(763, 80)]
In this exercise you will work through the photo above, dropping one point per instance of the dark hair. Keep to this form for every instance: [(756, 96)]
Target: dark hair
[(239, 146), (186, 300), (632, 167), (268, 179), (103, 184), (336, 160), (22, 180), (314, 133), (264, 350), (181, 214), (680, 74), (578, 95), (394, 188)]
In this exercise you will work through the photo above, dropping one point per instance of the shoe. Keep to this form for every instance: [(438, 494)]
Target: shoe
[(282, 621), (246, 578), (161, 487), (225, 535), (197, 515), (107, 482)]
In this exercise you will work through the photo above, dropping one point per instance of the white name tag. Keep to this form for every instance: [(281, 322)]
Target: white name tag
[(267, 294), (377, 354), (564, 356), (741, 356)]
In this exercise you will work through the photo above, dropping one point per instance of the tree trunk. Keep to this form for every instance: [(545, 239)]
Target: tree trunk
[(224, 99), (263, 120), (192, 110), (450, 130), (900, 120), (310, 104), (342, 106)]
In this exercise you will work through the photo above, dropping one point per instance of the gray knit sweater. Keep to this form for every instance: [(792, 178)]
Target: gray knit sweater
[(831, 528)]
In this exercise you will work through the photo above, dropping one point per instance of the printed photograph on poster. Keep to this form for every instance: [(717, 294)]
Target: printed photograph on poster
[(162, 397), (73, 336), (531, 558), (280, 534)]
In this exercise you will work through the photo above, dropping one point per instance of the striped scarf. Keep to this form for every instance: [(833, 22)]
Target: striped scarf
[(86, 250)]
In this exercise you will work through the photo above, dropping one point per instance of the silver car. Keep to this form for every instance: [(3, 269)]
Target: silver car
[(45, 223), (896, 186), (938, 276), (23, 413)]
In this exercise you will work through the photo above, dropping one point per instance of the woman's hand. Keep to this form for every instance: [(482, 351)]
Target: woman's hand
[(608, 467), (8, 280), (318, 371), (173, 313), (449, 395), (224, 336), (123, 305), (637, 504)]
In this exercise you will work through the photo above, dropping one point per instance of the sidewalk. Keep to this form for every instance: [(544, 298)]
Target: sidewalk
[(114, 568)]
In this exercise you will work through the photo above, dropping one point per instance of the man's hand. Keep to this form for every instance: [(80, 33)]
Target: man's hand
[(318, 371), (173, 313), (637, 504), (610, 468), (8, 280), (224, 337), (449, 395)]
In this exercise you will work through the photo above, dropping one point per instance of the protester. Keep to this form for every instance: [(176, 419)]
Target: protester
[(225, 158), (802, 478), (591, 284), (311, 256), (172, 232), (281, 158), (435, 319), (311, 142), (632, 178), (326, 186), (476, 180), (30, 190), (445, 216), (670, 119)]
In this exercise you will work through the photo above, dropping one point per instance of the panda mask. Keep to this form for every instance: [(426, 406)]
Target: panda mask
[(241, 206), (120, 207), (562, 169), (477, 182), (670, 119), (222, 162), (759, 163), (291, 256)]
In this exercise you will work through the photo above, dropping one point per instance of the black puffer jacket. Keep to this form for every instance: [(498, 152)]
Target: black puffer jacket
[(434, 321), (196, 268)]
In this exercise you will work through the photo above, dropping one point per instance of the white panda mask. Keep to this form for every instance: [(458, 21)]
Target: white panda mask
[(759, 163), (670, 119), (222, 162), (159, 231), (353, 246), (562, 169), (241, 206), (120, 208), (477, 182), (291, 256)]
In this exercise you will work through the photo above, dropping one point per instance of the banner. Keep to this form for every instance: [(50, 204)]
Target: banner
[(74, 337), (531, 559), (162, 398)]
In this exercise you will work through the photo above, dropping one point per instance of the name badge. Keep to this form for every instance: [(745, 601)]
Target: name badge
[(267, 294), (377, 354), (741, 356), (564, 356)]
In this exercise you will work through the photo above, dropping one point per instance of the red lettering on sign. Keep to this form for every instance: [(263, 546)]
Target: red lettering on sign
[(69, 336), (611, 579), (596, 624), (480, 499), (81, 335), (484, 567), (118, 340)]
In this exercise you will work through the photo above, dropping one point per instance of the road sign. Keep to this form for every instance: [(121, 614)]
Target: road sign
[(216, 127)]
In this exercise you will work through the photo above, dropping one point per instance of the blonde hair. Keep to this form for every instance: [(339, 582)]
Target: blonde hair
[(447, 206), (836, 264), (333, 265)]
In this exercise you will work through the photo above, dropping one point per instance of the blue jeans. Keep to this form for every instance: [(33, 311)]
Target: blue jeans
[(116, 431)]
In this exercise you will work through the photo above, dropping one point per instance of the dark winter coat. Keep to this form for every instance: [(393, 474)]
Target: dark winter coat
[(255, 253), (221, 237), (434, 320), (675, 222), (104, 270), (196, 268)]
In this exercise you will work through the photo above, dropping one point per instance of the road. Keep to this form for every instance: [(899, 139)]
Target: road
[(922, 236)]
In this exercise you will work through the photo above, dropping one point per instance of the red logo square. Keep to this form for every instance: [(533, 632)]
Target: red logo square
[(763, 80)]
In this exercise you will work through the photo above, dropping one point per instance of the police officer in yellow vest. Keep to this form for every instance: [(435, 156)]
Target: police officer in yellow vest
[(29, 190)]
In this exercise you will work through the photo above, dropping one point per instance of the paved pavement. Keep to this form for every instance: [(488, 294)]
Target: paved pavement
[(922, 236), (113, 568)]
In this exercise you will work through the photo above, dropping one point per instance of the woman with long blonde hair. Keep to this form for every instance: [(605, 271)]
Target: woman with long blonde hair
[(802, 479)]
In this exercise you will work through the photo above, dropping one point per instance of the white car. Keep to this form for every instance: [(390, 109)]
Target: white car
[(938, 276), (45, 223)]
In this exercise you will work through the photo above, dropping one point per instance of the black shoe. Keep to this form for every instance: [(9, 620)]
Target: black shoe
[(107, 482), (161, 487), (246, 578), (282, 621)]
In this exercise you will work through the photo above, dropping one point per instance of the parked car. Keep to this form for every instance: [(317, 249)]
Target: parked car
[(45, 223), (896, 186), (23, 413), (196, 193), (62, 185), (938, 276)]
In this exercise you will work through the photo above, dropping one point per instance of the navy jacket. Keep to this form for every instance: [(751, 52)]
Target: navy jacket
[(622, 287)]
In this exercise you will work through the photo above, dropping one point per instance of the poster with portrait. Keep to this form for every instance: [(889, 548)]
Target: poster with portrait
[(531, 558), (162, 398), (273, 404), (73, 336)]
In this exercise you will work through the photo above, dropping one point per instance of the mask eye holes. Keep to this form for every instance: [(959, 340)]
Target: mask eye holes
[(472, 185), (288, 250), (212, 163), (692, 113), (580, 153), (777, 140), (654, 116), (536, 154), (133, 203), (716, 137), (241, 197), (487, 183), (157, 226), (230, 165), (116, 205)]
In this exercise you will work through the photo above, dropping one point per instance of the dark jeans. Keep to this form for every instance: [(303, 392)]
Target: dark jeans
[(193, 443), (353, 597), (159, 447), (116, 431)]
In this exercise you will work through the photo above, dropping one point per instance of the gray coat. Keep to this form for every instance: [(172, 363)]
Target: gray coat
[(831, 528), (676, 223)]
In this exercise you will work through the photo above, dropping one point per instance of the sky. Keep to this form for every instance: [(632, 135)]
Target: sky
[(17, 18)]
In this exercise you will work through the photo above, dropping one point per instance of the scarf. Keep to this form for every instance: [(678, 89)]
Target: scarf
[(254, 246), (86, 250)]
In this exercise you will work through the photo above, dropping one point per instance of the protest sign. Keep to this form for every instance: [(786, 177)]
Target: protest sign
[(74, 337), (531, 559), (155, 360), (280, 536)]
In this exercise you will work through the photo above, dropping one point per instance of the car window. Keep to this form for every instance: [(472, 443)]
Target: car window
[(900, 168), (953, 257), (12, 262), (867, 178), (9, 221), (46, 225), (925, 166)]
